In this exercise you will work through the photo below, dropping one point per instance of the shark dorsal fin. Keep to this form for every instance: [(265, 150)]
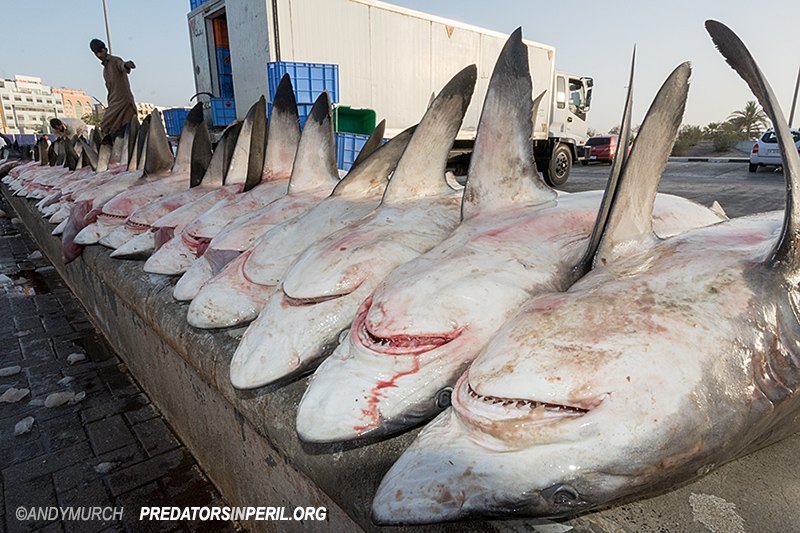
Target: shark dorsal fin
[(258, 146), (72, 156), (89, 153), (229, 147), (44, 146), (373, 172), (183, 155), (420, 171), (630, 226), (502, 172), (215, 173), (612, 185), (159, 158), (240, 159), (315, 162), (374, 142), (200, 156), (136, 156), (55, 153), (785, 256), (283, 134), (129, 150), (104, 154), (96, 139)]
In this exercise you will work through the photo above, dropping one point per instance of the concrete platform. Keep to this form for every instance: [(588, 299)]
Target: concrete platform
[(246, 441)]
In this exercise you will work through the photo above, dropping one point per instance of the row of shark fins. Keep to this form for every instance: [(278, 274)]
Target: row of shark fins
[(576, 350)]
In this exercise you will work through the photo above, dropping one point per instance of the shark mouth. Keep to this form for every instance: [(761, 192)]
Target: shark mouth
[(488, 410), (107, 216), (189, 241), (397, 344), (136, 227)]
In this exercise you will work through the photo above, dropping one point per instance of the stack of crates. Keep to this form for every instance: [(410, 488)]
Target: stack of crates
[(223, 109), (353, 127), (308, 81), (174, 119)]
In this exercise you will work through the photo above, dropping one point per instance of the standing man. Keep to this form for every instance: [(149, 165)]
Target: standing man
[(121, 105)]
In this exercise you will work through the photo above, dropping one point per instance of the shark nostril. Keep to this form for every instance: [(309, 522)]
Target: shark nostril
[(443, 397)]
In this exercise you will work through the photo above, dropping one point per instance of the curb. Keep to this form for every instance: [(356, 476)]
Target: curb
[(709, 160)]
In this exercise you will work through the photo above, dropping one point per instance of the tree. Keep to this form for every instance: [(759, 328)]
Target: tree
[(91, 119), (749, 120), (591, 132)]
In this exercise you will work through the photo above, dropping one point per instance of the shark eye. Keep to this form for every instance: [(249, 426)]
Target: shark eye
[(443, 397), (564, 496), (561, 494)]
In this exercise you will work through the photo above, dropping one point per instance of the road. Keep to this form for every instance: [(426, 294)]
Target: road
[(738, 191)]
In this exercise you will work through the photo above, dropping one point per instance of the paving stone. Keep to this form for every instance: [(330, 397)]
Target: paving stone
[(109, 433), (148, 495), (91, 495), (139, 474), (37, 493), (155, 436), (46, 464)]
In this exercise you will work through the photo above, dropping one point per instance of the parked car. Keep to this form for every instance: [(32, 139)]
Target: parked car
[(766, 151), (600, 148)]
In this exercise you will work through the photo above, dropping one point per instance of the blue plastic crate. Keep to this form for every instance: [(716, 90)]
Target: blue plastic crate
[(348, 146), (225, 86), (174, 119), (223, 111), (224, 60), (308, 80), (194, 4)]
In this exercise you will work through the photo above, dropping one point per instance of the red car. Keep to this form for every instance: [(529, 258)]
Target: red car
[(600, 148)]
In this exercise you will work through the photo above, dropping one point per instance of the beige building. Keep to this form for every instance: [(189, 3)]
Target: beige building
[(27, 105)]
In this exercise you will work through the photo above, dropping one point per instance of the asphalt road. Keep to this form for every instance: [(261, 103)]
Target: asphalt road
[(738, 191)]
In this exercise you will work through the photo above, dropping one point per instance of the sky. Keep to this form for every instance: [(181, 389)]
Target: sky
[(591, 39)]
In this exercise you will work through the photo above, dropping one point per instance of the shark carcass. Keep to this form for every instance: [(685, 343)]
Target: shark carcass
[(666, 360)]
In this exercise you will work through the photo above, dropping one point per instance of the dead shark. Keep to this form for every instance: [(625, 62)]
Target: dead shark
[(323, 288), (239, 292), (427, 320), (666, 360)]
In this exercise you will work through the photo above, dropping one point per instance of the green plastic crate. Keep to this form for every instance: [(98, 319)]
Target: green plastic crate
[(349, 120)]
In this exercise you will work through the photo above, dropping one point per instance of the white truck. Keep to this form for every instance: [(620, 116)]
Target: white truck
[(390, 59)]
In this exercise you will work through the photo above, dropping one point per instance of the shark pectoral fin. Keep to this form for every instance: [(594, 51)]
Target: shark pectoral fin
[(786, 253), (420, 171), (315, 163), (502, 170)]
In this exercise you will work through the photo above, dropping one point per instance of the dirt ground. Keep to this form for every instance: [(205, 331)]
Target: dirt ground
[(706, 149)]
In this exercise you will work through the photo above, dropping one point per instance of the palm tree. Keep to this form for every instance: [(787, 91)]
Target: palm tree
[(750, 119)]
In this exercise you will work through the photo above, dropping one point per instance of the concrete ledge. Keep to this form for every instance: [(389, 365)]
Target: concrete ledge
[(246, 441)]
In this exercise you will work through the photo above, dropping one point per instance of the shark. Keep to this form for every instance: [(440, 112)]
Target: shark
[(190, 158), (312, 175), (667, 359), (240, 290), (173, 212), (321, 291), (414, 336)]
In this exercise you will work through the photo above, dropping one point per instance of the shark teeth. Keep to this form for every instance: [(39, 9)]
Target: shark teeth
[(401, 344), (107, 216), (472, 403)]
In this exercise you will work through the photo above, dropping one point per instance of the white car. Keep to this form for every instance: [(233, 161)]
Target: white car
[(766, 150)]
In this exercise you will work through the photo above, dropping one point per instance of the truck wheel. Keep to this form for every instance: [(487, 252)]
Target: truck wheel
[(560, 166), (753, 167)]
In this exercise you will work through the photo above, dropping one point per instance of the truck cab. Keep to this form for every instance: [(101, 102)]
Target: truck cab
[(568, 127)]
